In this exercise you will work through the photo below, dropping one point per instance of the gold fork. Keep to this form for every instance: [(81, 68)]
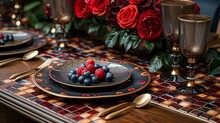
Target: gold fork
[(23, 74)]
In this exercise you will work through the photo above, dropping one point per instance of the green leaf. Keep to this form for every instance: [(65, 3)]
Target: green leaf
[(123, 37), (39, 25), (33, 19), (39, 12), (102, 32), (32, 5), (129, 43), (93, 28), (149, 46), (47, 28), (68, 27), (136, 43), (112, 38), (214, 67), (134, 37), (155, 63), (212, 53), (167, 60)]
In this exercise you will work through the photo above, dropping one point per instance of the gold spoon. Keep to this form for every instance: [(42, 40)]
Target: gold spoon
[(26, 56), (43, 65), (139, 102)]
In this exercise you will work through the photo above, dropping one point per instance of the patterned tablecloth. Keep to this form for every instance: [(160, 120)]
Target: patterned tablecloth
[(202, 106)]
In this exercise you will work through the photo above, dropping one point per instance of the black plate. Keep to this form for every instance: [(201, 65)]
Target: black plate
[(121, 74), (139, 80), (19, 38)]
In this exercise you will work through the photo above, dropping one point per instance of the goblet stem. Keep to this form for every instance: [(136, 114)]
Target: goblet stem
[(175, 73), (190, 87)]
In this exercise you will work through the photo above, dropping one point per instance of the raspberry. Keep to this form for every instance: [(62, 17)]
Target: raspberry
[(90, 68), (79, 70), (99, 73), (1, 36), (90, 61)]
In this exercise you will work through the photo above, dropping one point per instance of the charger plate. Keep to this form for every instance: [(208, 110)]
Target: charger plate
[(19, 38), (139, 80), (121, 74)]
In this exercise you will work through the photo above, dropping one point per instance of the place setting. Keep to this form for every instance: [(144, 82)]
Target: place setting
[(101, 78), (13, 42)]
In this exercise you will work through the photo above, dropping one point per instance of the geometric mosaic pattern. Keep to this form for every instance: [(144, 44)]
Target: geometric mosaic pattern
[(204, 106)]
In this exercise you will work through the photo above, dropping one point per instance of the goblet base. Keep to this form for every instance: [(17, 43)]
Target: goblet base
[(63, 46), (197, 89), (172, 78)]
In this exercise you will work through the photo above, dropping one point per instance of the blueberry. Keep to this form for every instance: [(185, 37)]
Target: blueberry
[(73, 71), (2, 42), (5, 39), (95, 80), (106, 69), (91, 75), (97, 66), (74, 78), (109, 77), (87, 81), (69, 75), (81, 79), (83, 65), (11, 37), (86, 74)]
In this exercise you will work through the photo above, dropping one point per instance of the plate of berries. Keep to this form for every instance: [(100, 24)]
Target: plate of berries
[(90, 74), (10, 38)]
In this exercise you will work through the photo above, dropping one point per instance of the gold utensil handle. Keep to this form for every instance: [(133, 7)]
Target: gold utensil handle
[(9, 59), (24, 75), (108, 110), (20, 73), (7, 62), (117, 113)]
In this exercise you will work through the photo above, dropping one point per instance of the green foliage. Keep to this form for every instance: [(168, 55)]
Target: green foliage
[(124, 38), (149, 46), (160, 60), (32, 5), (214, 65)]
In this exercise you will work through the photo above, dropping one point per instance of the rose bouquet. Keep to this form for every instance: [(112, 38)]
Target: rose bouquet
[(120, 22), (124, 23)]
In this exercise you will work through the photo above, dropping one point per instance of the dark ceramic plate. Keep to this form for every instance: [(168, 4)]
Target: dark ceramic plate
[(19, 38), (139, 80), (121, 74), (33, 45)]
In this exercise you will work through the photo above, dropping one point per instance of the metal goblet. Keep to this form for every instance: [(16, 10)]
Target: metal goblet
[(170, 10), (194, 31), (61, 11)]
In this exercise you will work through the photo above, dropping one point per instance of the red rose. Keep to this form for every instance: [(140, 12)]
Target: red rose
[(127, 17), (81, 9), (197, 9), (149, 25), (135, 1), (99, 7)]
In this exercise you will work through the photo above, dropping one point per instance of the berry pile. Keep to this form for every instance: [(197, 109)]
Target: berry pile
[(6, 38), (90, 73)]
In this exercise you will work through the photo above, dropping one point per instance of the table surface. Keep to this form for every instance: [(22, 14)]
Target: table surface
[(151, 113)]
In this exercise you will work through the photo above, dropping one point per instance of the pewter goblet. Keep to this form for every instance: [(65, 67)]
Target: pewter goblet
[(194, 30), (61, 11), (170, 10)]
